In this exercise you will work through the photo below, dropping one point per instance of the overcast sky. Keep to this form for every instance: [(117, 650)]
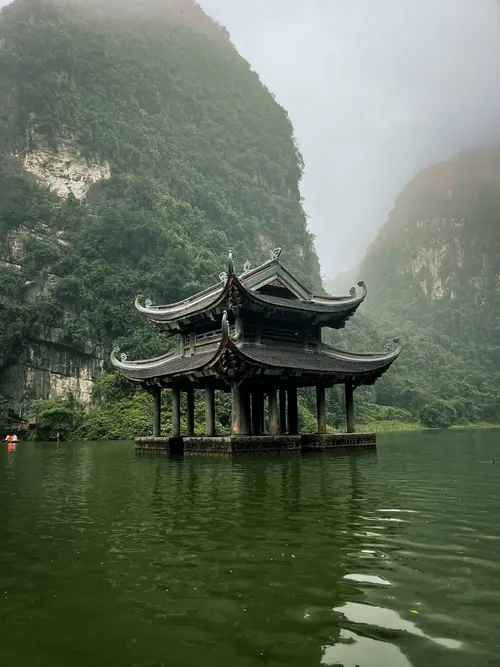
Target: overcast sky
[(376, 90)]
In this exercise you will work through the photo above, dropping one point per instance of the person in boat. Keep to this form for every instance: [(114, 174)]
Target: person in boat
[(58, 437), (8, 438), (15, 439)]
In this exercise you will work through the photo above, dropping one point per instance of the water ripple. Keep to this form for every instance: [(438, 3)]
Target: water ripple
[(385, 559)]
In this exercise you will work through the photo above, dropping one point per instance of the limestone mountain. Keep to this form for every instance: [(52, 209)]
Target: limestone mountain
[(136, 148), (434, 277)]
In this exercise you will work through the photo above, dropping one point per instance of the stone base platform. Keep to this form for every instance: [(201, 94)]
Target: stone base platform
[(256, 444), (328, 442)]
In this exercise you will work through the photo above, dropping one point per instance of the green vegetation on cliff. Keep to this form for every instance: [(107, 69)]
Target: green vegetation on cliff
[(434, 278), (136, 148), (190, 154)]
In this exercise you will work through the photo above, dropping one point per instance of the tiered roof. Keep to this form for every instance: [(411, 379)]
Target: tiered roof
[(332, 364), (269, 288)]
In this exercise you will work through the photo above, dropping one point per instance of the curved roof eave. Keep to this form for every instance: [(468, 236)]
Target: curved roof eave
[(344, 300), (200, 298), (389, 355), (330, 305), (142, 371), (214, 295)]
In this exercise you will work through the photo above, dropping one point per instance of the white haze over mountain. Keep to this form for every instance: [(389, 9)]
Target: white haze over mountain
[(376, 90)]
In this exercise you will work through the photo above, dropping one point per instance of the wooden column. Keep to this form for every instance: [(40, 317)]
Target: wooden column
[(246, 421), (157, 412), (236, 409), (190, 411), (273, 412), (257, 411), (176, 412), (282, 394), (262, 411), (293, 410), (209, 410), (349, 406), (321, 407)]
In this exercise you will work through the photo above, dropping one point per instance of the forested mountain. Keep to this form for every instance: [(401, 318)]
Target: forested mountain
[(136, 148), (434, 277)]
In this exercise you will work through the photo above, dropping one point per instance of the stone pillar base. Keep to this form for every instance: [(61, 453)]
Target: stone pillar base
[(256, 444)]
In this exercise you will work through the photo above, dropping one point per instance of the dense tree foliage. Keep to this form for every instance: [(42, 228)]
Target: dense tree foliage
[(202, 160)]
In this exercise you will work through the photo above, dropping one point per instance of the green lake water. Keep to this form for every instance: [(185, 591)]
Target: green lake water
[(111, 559)]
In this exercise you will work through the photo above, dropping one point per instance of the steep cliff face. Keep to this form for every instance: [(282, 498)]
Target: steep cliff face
[(441, 243), (136, 148), (434, 278)]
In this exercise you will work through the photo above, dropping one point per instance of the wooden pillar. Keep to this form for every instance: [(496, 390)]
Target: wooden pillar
[(282, 394), (273, 412), (176, 412), (321, 406), (257, 412), (236, 409), (262, 411), (246, 414), (349, 406), (209, 410), (190, 411), (293, 410), (157, 412)]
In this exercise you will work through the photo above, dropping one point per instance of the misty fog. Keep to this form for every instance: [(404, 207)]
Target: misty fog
[(376, 90)]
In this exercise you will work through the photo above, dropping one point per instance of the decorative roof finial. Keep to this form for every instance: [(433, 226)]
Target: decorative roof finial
[(247, 266), (230, 265), (223, 276), (276, 254), (114, 354), (225, 326), (389, 346)]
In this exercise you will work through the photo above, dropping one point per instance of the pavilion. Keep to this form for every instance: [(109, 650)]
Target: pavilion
[(257, 335)]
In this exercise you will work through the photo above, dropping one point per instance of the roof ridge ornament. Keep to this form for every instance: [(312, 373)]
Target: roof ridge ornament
[(223, 276), (230, 264), (396, 342), (115, 353), (247, 266), (225, 327), (360, 284), (275, 255)]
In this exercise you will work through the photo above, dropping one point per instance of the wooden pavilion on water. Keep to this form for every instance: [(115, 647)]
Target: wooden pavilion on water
[(258, 336)]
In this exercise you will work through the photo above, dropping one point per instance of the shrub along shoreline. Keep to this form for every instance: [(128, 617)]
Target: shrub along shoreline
[(119, 412)]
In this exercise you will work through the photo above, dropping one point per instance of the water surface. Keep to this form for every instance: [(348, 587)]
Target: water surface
[(379, 559)]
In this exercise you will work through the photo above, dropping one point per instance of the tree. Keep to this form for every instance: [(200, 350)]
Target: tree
[(438, 414)]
